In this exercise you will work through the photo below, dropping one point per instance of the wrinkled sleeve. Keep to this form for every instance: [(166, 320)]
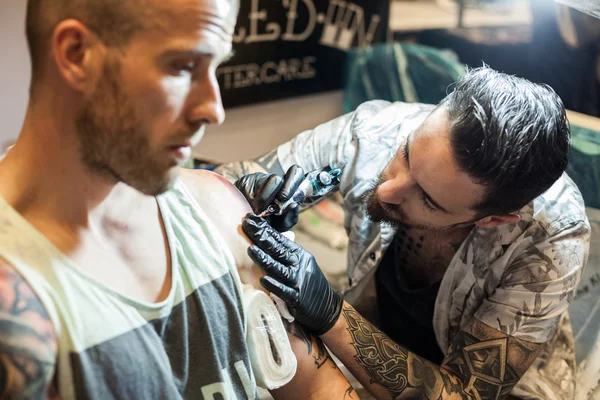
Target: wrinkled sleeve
[(332, 143), (539, 284)]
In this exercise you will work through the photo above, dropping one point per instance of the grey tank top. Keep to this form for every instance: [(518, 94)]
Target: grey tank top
[(191, 345)]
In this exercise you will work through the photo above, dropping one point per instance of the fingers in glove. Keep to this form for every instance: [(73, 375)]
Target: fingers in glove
[(272, 242), (248, 184), (285, 293), (266, 193), (271, 267), (286, 221), (293, 178)]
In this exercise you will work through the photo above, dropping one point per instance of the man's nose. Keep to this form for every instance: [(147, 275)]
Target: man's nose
[(206, 105), (394, 191)]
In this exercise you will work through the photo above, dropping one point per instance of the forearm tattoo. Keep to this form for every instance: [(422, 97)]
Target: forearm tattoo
[(474, 368), (349, 394), (383, 360), (27, 340), (315, 347)]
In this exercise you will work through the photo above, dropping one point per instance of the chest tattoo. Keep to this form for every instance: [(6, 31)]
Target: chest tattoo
[(409, 245), (424, 256)]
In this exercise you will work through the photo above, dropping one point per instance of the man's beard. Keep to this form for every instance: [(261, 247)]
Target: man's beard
[(377, 214), (114, 143)]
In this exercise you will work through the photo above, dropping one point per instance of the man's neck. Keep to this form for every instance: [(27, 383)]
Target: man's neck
[(450, 231), (453, 236), (43, 175)]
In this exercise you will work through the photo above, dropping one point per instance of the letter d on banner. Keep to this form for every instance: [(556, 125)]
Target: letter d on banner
[(289, 48)]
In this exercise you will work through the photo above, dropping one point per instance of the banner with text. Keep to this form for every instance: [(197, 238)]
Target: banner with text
[(285, 48)]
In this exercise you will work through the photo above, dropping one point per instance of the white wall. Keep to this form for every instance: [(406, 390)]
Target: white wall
[(247, 131), (253, 130), (14, 69)]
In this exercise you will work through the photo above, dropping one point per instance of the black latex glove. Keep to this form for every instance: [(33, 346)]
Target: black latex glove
[(262, 189), (294, 276)]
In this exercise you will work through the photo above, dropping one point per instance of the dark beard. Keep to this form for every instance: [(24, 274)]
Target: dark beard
[(377, 214), (373, 209)]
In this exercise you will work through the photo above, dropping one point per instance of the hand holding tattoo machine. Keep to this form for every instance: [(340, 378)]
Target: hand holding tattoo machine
[(316, 185), (273, 361)]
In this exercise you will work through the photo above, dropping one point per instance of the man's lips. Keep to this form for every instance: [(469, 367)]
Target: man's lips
[(390, 208), (182, 151)]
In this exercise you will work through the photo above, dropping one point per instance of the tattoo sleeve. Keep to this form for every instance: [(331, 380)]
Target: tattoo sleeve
[(267, 163), (317, 376), (314, 346), (478, 366), (350, 394), (27, 340)]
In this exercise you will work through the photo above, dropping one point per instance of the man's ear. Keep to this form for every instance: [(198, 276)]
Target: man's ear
[(75, 53), (494, 221)]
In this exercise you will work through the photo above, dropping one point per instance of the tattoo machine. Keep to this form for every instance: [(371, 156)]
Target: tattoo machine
[(316, 185)]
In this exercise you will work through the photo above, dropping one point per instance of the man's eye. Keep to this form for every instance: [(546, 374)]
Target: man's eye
[(427, 204), (184, 67), (404, 150)]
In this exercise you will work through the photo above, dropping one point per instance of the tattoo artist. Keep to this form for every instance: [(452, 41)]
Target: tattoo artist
[(462, 222)]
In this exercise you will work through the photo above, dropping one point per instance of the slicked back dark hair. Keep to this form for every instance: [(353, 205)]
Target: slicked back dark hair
[(508, 134)]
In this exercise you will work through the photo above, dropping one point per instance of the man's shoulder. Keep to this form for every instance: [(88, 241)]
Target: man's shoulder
[(201, 177), (379, 116), (378, 130), (223, 205), (212, 190), (560, 207), (217, 197), (400, 108)]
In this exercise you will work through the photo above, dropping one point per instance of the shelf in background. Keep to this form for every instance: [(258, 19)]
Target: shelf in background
[(406, 16)]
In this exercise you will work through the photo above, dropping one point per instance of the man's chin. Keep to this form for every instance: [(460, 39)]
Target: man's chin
[(168, 181), (155, 184)]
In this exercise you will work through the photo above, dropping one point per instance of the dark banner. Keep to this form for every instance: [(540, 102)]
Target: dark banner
[(285, 48)]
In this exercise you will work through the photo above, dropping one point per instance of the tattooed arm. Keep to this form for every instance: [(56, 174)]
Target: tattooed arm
[(482, 363), (28, 343), (317, 373)]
